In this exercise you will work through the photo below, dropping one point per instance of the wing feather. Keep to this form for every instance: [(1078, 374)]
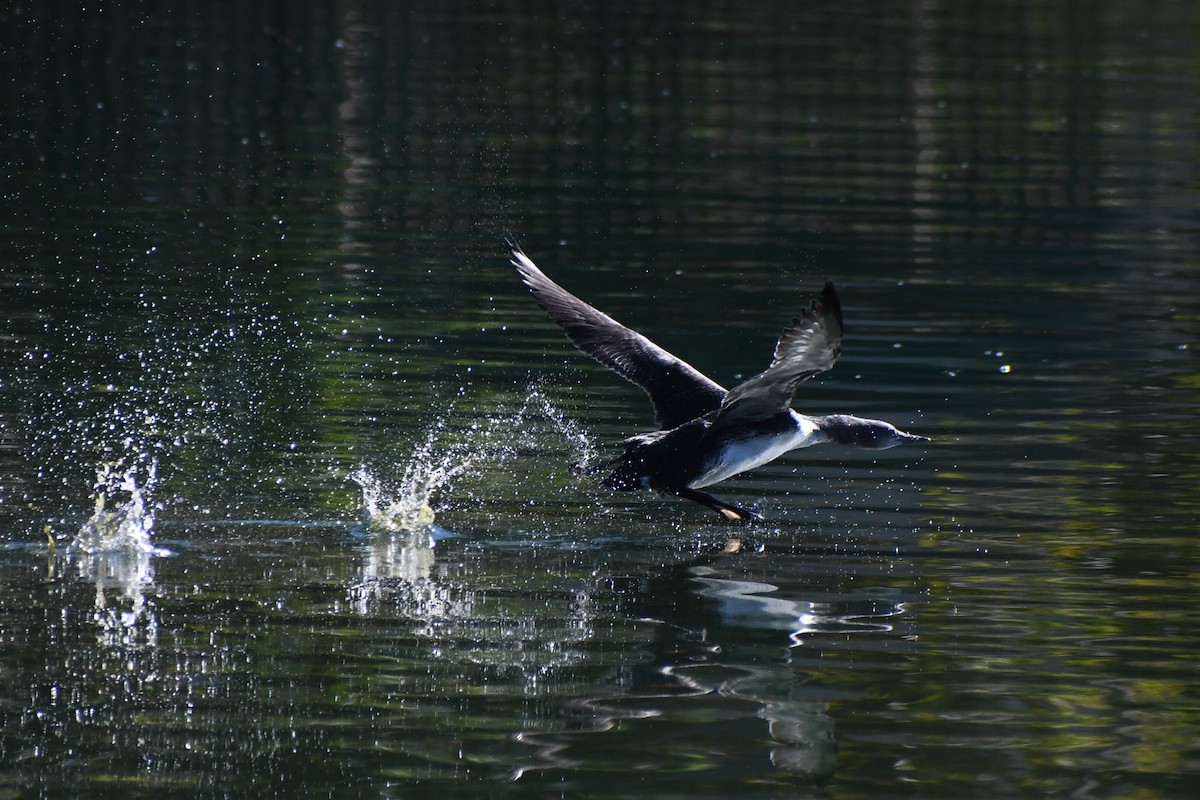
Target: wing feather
[(810, 345), (679, 392)]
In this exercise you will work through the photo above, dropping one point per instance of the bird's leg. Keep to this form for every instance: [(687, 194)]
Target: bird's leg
[(729, 512)]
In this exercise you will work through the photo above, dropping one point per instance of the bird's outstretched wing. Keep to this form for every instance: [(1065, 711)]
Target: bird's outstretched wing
[(679, 392), (810, 345)]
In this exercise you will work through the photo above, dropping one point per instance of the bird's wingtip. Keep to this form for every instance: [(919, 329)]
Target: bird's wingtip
[(517, 257), (830, 301), (514, 245)]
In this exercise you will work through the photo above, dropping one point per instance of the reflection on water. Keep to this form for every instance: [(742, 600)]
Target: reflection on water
[(800, 723), (122, 579), (757, 605), (799, 726), (254, 250), (397, 568)]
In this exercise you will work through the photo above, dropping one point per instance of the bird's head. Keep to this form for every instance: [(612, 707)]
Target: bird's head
[(872, 434)]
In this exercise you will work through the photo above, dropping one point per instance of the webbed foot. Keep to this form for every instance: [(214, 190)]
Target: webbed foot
[(730, 513), (733, 514)]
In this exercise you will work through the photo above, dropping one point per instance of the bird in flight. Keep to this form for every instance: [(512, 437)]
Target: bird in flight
[(707, 433)]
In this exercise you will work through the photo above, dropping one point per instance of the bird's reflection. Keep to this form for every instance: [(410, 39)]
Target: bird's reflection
[(739, 664), (753, 604), (800, 726)]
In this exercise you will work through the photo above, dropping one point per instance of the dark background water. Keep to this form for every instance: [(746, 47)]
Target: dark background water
[(248, 250)]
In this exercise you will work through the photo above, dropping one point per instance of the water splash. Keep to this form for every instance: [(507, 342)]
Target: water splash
[(403, 507), (399, 565), (576, 437), (119, 526), (446, 454), (113, 551), (399, 554)]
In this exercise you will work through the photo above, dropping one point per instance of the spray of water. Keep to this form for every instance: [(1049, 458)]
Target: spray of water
[(121, 520), (445, 455), (113, 550), (577, 439)]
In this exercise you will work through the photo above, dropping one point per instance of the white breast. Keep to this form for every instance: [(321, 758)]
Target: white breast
[(743, 454)]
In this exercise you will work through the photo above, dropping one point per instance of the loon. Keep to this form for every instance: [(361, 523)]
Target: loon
[(707, 433)]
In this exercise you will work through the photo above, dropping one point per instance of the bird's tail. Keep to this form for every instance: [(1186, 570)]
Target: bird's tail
[(627, 475)]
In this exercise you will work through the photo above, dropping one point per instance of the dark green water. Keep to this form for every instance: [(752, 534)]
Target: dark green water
[(251, 253)]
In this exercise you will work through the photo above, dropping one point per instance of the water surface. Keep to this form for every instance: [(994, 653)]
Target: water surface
[(258, 303)]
